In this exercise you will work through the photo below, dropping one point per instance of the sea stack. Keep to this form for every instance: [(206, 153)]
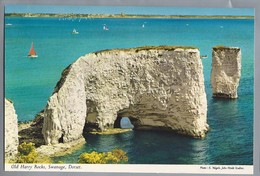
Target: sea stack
[(226, 71), (157, 88), (11, 131)]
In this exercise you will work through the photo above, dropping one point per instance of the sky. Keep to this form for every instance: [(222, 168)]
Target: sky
[(127, 10)]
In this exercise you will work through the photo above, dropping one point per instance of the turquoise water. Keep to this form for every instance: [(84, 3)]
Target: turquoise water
[(29, 82)]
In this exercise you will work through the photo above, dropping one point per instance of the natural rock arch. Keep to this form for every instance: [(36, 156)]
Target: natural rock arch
[(156, 87)]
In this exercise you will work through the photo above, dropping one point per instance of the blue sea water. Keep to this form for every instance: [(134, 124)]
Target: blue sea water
[(30, 82)]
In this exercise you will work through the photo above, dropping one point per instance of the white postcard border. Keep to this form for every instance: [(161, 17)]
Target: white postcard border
[(132, 168), (191, 169)]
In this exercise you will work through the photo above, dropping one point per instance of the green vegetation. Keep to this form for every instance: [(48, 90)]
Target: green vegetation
[(60, 162), (27, 154), (116, 156), (146, 48), (168, 48), (225, 47), (220, 47), (26, 148)]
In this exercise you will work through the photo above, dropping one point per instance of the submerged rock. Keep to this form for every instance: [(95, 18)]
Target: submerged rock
[(11, 131), (226, 71), (159, 88)]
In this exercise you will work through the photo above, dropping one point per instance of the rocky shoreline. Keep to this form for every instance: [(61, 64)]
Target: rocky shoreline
[(31, 132), (60, 149)]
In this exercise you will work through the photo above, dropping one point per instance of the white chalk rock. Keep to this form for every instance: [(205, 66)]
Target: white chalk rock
[(226, 71), (159, 88), (11, 131)]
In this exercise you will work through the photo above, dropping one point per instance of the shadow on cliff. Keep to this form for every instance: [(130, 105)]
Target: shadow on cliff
[(32, 131)]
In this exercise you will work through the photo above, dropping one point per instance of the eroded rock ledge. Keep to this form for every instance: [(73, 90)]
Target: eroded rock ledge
[(156, 87)]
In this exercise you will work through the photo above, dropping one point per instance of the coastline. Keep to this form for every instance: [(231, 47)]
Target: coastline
[(91, 16), (28, 130), (60, 149)]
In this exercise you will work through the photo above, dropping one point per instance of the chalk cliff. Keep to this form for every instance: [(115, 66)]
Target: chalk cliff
[(226, 71), (11, 131), (156, 87)]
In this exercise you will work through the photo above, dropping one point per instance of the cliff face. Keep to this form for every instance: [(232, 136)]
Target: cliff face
[(156, 87), (226, 71), (11, 131)]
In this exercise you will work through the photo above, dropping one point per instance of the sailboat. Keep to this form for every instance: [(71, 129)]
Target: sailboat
[(75, 31), (32, 53)]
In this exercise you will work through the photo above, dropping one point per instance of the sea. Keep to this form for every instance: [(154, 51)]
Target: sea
[(29, 82)]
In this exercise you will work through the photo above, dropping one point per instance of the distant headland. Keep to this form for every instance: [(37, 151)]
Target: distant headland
[(122, 15)]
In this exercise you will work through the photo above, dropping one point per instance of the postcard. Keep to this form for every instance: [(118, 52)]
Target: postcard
[(129, 89)]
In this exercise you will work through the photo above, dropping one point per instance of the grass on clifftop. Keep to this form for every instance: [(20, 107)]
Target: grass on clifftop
[(224, 47), (146, 48), (220, 47), (169, 48)]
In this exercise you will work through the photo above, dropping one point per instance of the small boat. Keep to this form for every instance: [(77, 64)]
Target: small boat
[(8, 24), (75, 31), (203, 56), (105, 28), (143, 26), (32, 53)]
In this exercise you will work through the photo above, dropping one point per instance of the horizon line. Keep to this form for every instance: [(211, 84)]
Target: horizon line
[(118, 14)]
